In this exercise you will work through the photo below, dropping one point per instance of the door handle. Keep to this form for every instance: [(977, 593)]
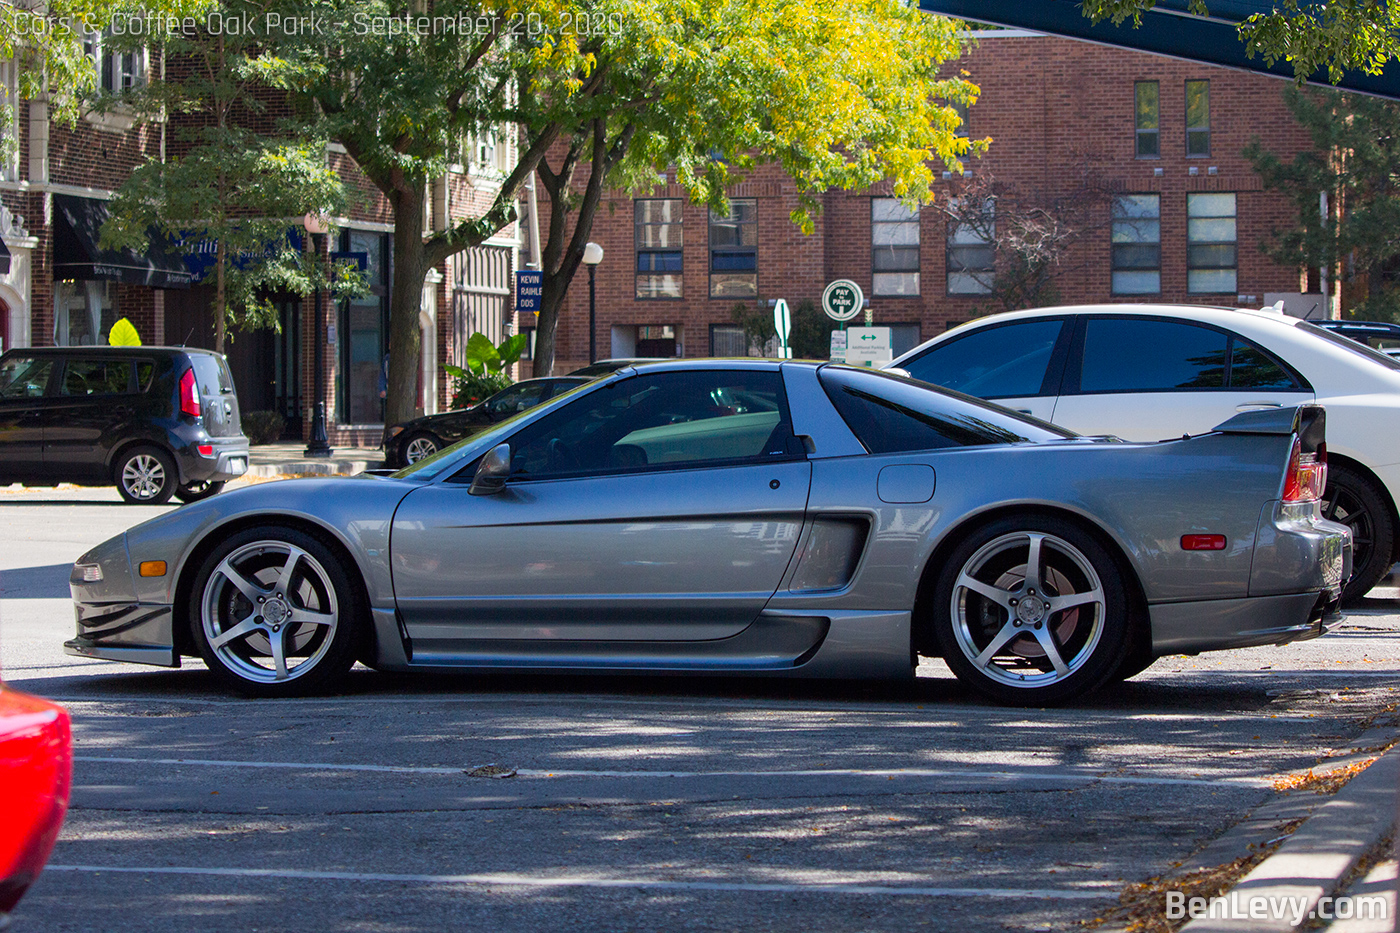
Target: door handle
[(1256, 406), (1025, 411)]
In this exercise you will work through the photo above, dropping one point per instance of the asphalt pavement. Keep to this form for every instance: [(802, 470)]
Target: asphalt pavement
[(642, 803)]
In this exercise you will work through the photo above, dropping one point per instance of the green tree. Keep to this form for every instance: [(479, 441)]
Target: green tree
[(838, 96), (1339, 35), (1355, 155), (224, 182)]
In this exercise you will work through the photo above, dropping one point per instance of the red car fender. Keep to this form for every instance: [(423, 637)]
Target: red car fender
[(36, 775)]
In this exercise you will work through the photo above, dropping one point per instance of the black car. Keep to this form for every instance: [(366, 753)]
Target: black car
[(155, 421), (608, 367), (422, 437), (1379, 335)]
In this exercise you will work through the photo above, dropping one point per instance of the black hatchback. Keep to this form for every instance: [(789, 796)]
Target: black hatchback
[(154, 421)]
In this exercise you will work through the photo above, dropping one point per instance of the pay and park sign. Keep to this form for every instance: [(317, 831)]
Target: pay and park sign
[(860, 346)]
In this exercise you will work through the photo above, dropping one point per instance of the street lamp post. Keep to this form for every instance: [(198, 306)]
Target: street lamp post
[(592, 255), (319, 443)]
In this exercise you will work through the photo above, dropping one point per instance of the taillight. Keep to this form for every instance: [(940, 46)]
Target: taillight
[(189, 395), (1307, 474)]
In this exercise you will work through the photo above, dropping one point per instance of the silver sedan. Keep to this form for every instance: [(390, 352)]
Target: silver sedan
[(756, 517)]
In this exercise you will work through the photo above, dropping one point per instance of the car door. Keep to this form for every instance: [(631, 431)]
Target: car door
[(643, 511), (1016, 364), (1146, 378), (92, 406), (24, 382)]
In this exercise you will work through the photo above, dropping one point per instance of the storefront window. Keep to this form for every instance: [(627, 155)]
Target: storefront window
[(364, 335), (83, 313)]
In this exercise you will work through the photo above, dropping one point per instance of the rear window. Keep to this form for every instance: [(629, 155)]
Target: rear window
[(211, 371), (890, 414)]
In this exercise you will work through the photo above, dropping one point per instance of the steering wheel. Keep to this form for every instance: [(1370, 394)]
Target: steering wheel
[(561, 457)]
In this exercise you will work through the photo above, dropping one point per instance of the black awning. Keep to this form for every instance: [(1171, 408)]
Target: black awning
[(4, 258), (76, 255)]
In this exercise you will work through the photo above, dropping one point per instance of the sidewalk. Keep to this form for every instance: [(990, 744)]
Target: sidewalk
[(289, 459)]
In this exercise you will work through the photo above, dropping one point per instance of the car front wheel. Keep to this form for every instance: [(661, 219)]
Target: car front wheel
[(1031, 611), (146, 476), (420, 446), (274, 613)]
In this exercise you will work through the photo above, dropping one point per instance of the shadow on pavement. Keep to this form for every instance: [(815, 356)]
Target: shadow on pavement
[(48, 582)]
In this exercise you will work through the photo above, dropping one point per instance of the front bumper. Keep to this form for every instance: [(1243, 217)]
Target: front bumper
[(113, 622), (1301, 563)]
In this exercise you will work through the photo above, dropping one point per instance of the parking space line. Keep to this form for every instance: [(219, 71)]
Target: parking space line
[(539, 773), (590, 881)]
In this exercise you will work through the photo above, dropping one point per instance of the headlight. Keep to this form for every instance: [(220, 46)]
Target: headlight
[(86, 573), (394, 431)]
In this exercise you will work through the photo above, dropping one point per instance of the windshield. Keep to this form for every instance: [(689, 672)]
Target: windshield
[(1353, 346), (449, 459)]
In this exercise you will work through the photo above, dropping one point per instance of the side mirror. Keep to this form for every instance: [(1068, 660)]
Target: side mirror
[(491, 473)]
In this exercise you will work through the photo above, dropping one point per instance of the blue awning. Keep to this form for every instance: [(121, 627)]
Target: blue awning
[(1168, 29)]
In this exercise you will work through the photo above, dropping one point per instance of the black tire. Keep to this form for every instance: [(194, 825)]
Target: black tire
[(1354, 500), (196, 491), (257, 582), (145, 475), (418, 446), (993, 627)]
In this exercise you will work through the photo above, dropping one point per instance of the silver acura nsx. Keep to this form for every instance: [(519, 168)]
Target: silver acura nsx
[(755, 517)]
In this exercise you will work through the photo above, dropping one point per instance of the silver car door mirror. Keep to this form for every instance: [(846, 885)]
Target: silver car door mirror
[(491, 473)]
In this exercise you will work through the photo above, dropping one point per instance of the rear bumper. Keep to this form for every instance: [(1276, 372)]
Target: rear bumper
[(228, 461)]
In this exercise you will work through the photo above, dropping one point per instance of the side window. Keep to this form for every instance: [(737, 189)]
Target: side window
[(891, 415), (145, 369), (995, 362), (1251, 369), (24, 377), (1130, 355), (667, 420), (521, 398), (96, 377)]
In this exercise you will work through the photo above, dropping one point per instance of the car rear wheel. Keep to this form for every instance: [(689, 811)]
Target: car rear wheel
[(145, 476), (274, 613), (1031, 611), (419, 446), (193, 492), (1353, 500)]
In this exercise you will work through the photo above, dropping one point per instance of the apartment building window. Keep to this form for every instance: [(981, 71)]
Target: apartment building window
[(118, 69), (1147, 114), (894, 247), (961, 110), (659, 236), (972, 253), (728, 340), (1137, 244), (1198, 118), (1211, 254), (734, 251)]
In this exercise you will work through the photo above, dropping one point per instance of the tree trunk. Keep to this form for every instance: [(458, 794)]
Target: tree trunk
[(405, 300), (551, 302)]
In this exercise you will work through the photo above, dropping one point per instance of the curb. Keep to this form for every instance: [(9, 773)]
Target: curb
[(1315, 859), (316, 467)]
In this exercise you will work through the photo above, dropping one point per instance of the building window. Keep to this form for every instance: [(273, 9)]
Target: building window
[(734, 251), (894, 241), (972, 253), (361, 383), (528, 353), (659, 238), (1198, 118), (1137, 244), (1211, 256), (9, 124), (728, 340), (1147, 109), (84, 312), (657, 340), (961, 110), (117, 70)]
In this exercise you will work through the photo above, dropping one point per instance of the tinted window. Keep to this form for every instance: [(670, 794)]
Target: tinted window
[(669, 419), (211, 372), (1360, 349), (516, 398), (24, 377), (96, 377), (145, 369), (1251, 369), (995, 362), (890, 414), (1126, 355)]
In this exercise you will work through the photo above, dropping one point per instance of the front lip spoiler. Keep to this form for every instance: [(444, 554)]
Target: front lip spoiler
[(135, 654)]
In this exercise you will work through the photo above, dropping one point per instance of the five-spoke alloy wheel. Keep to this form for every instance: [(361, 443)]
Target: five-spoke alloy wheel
[(1031, 610), (274, 614)]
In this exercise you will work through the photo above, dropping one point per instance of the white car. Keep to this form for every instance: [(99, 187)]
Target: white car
[(1151, 372)]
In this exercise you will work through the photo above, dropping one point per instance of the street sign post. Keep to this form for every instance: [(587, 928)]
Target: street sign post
[(782, 323), (869, 346), (529, 290), (842, 300)]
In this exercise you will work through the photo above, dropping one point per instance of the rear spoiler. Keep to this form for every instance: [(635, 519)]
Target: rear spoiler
[(1309, 422)]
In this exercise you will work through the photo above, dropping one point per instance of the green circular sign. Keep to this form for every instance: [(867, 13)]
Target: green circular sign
[(842, 300)]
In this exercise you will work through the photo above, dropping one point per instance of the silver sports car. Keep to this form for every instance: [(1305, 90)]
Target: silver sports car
[(745, 516)]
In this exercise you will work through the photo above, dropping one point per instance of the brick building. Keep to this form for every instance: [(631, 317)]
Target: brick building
[(1183, 223), (58, 287)]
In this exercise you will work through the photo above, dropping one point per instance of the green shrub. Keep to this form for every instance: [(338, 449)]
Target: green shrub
[(263, 427)]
